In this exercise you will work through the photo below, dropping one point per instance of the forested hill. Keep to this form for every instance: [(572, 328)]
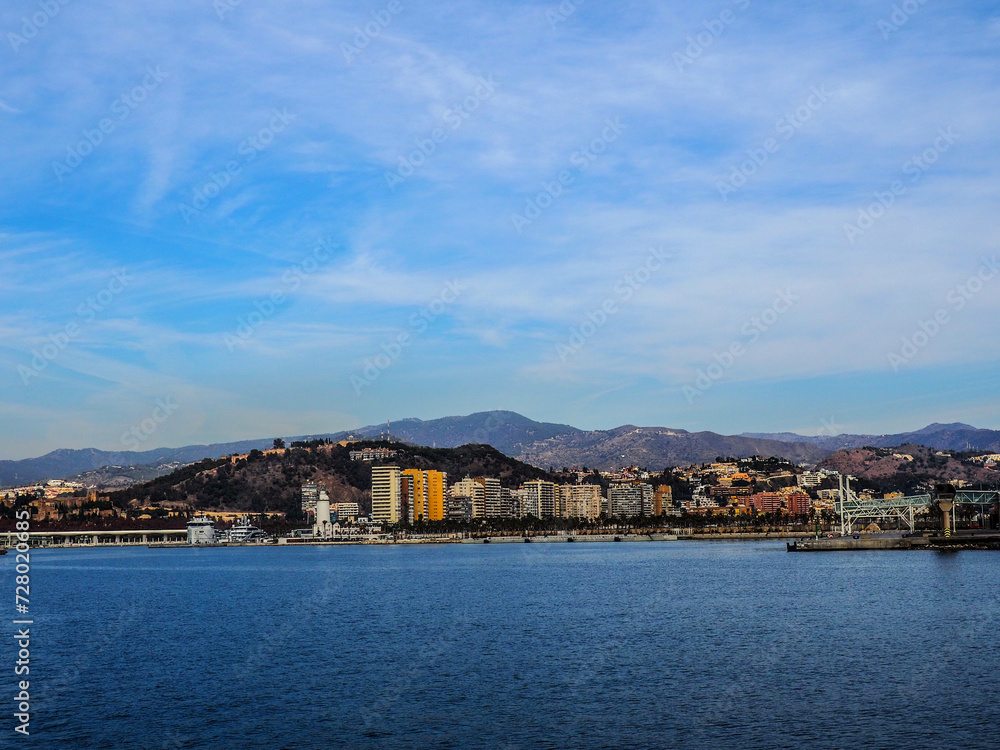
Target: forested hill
[(273, 482)]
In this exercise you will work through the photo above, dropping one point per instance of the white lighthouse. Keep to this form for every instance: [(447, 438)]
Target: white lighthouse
[(323, 527)]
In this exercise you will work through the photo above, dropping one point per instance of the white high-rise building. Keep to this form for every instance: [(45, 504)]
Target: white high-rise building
[(474, 492), (510, 503), (386, 505), (346, 511), (628, 500), (539, 499), (528, 505), (310, 495), (809, 479), (492, 507)]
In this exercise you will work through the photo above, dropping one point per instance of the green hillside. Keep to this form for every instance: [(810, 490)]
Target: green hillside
[(272, 482)]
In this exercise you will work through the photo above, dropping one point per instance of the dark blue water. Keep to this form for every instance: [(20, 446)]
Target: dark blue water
[(665, 645)]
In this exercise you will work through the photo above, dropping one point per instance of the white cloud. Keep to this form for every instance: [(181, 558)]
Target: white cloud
[(324, 176)]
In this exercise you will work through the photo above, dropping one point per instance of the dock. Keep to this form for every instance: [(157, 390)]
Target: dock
[(564, 538), (966, 540)]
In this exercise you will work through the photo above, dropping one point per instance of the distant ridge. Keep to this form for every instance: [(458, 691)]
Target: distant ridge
[(65, 462), (507, 431), (657, 447), (955, 436), (542, 444)]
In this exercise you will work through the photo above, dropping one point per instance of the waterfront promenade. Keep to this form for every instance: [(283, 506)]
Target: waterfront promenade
[(121, 538), (178, 538)]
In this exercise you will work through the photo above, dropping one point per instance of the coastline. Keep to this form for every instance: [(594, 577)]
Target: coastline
[(161, 539)]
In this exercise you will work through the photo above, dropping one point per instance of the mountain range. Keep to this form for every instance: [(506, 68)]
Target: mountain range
[(955, 436), (541, 444)]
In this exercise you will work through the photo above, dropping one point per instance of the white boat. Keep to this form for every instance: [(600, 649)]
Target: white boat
[(243, 532), (201, 530)]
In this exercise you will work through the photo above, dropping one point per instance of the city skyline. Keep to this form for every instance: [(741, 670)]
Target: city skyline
[(233, 221)]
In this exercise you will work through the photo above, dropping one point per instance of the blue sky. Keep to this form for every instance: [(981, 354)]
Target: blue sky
[(286, 218)]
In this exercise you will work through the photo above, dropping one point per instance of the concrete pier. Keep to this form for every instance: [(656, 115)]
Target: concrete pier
[(866, 541), (575, 538), (937, 541)]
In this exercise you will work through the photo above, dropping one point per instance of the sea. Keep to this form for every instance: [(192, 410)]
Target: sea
[(716, 645)]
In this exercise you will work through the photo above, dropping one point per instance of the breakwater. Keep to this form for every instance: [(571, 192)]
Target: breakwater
[(985, 541)]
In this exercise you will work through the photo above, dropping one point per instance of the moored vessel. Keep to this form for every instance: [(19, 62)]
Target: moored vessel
[(243, 532)]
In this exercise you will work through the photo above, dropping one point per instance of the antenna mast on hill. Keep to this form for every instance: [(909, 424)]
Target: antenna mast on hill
[(388, 434)]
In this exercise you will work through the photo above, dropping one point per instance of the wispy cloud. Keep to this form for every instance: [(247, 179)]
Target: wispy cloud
[(686, 128)]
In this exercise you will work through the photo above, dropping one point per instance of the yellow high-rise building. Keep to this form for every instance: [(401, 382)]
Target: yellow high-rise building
[(435, 482), (418, 481)]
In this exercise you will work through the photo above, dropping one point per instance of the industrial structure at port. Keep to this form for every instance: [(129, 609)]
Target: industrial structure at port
[(858, 516)]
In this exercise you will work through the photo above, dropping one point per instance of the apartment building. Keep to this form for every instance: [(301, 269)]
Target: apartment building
[(539, 499), (492, 506), (632, 499), (437, 493), (386, 494), (416, 494), (474, 492), (663, 499), (346, 511), (580, 501), (809, 479)]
